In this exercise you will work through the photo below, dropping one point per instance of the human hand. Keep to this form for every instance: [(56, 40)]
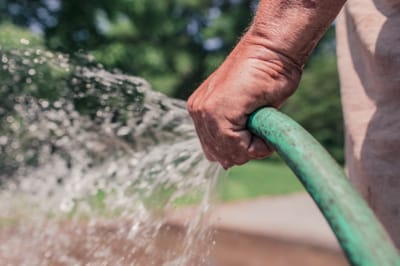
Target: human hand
[(252, 76)]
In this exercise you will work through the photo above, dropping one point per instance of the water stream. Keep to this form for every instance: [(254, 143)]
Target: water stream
[(91, 163)]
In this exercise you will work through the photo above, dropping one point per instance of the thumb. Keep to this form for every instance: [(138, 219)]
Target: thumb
[(258, 148)]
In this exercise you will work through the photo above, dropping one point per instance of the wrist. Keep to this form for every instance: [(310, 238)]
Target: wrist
[(283, 43), (292, 28), (256, 47)]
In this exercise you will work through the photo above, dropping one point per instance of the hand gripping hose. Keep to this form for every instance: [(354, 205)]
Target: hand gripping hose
[(361, 236)]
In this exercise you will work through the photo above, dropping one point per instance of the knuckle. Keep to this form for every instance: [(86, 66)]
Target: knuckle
[(209, 106)]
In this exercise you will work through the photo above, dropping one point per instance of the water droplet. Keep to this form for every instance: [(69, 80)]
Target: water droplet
[(24, 41), (32, 128), (10, 119), (3, 140), (19, 158), (123, 131), (57, 104), (32, 72), (44, 104), (67, 205)]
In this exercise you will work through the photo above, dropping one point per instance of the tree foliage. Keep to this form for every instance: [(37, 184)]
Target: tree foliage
[(173, 44)]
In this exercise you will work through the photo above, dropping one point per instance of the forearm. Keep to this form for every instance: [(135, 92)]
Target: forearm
[(264, 69), (292, 27)]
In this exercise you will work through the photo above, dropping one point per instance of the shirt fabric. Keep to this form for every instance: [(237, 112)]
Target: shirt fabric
[(368, 48)]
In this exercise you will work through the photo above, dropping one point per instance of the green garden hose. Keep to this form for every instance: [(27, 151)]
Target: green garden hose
[(361, 236)]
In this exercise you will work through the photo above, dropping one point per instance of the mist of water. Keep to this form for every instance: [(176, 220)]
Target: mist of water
[(91, 161)]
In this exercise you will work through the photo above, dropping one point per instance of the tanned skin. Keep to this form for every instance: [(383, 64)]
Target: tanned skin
[(264, 69)]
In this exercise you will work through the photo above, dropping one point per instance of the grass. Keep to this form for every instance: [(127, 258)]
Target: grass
[(257, 178), (254, 179)]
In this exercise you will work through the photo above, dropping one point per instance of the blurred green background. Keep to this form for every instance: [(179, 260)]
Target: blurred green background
[(175, 45)]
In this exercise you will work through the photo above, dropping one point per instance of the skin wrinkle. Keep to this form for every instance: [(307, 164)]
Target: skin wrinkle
[(216, 137), (282, 60), (211, 149), (273, 49), (275, 70), (292, 26), (309, 4)]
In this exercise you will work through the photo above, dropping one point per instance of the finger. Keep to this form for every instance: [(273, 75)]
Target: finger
[(199, 94), (215, 138), (217, 142), (234, 146), (258, 148), (196, 99), (208, 153), (194, 104), (226, 164)]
